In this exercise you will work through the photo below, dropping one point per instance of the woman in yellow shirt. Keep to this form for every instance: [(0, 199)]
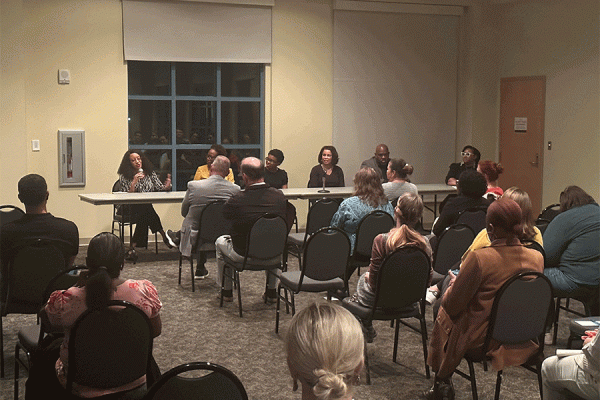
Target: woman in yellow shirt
[(203, 171)]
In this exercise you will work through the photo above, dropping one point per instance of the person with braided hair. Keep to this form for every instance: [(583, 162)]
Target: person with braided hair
[(324, 347)]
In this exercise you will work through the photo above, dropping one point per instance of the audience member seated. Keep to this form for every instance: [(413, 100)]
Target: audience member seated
[(275, 176), (407, 213), (471, 188), (199, 194), (37, 223), (398, 182), (379, 162), (203, 171), (368, 196), (463, 317), (243, 209), (563, 377), (136, 174), (470, 159), (490, 170), (324, 347), (530, 232), (102, 283), (571, 244), (327, 170)]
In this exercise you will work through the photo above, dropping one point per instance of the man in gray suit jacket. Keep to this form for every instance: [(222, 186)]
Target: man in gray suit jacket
[(200, 193), (379, 162)]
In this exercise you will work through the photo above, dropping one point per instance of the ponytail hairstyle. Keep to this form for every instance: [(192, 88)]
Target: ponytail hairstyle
[(522, 199), (105, 258), (324, 347), (401, 168), (407, 212)]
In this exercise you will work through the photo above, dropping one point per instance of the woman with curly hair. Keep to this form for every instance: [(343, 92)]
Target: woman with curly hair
[(491, 170), (325, 351), (327, 171), (368, 196), (136, 174)]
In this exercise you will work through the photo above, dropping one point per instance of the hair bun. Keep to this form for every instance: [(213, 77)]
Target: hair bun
[(408, 169), (330, 386)]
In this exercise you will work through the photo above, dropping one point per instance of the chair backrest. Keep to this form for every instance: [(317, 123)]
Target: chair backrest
[(326, 255), (402, 279), (520, 310), (219, 383), (32, 268), (453, 243), (267, 237), (10, 213), (212, 222), (473, 217), (369, 227), (320, 215), (109, 346), (549, 212), (532, 244)]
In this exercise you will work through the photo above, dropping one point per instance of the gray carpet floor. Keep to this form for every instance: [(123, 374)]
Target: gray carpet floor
[(195, 328)]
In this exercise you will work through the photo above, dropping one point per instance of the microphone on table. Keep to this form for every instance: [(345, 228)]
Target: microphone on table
[(323, 190)]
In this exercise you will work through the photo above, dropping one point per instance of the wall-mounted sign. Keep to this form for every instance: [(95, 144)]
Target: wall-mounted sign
[(520, 124)]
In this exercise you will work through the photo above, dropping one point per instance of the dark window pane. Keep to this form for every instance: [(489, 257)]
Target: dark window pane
[(240, 154), (197, 122), (194, 79), (240, 122), (187, 163), (149, 78), (151, 118), (240, 80)]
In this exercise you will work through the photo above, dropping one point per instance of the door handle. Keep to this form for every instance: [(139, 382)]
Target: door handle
[(536, 162)]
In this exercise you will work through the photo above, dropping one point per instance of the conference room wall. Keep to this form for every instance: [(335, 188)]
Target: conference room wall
[(557, 39), (38, 38)]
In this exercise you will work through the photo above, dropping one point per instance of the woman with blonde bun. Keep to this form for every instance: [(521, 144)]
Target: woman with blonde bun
[(324, 347)]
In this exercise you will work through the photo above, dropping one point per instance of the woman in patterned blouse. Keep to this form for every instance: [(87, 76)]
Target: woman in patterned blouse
[(136, 174)]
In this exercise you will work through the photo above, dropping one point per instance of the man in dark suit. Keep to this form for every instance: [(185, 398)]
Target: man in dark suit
[(244, 208), (37, 223), (379, 162)]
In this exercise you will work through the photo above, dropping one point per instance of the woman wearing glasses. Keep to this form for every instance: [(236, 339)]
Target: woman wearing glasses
[(203, 171), (275, 176), (470, 159)]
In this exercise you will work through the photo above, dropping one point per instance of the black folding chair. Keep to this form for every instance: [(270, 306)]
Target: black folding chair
[(473, 217), (369, 227), (30, 336), (10, 213), (325, 260), (218, 384), (401, 286), (452, 244), (34, 265), (319, 216), (265, 245), (546, 216), (109, 347), (519, 314), (212, 225)]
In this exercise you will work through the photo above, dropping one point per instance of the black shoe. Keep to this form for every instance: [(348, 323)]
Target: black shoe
[(168, 241), (370, 333), (175, 239), (131, 255), (270, 296), (201, 272), (440, 391), (226, 294)]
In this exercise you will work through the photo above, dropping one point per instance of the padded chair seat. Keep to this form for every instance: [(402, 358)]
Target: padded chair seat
[(237, 262), (28, 336), (206, 247), (296, 238), (363, 312), (291, 279)]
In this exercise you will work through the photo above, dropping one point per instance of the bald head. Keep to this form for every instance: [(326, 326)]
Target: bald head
[(253, 170), (382, 155)]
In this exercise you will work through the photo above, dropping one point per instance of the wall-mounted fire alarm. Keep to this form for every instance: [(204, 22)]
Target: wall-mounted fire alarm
[(64, 76)]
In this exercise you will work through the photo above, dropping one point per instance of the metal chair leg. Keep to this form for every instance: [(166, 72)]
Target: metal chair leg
[(498, 383)]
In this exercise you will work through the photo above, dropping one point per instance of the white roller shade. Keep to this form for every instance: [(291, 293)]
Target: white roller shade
[(196, 32)]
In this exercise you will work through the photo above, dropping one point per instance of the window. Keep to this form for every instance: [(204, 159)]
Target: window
[(178, 110)]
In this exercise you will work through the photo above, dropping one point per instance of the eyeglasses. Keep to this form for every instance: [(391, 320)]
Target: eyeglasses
[(270, 161), (465, 154)]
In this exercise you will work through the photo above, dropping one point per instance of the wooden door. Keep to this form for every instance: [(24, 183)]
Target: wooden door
[(522, 105)]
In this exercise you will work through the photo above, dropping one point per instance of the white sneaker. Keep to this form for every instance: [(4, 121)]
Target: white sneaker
[(431, 296)]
